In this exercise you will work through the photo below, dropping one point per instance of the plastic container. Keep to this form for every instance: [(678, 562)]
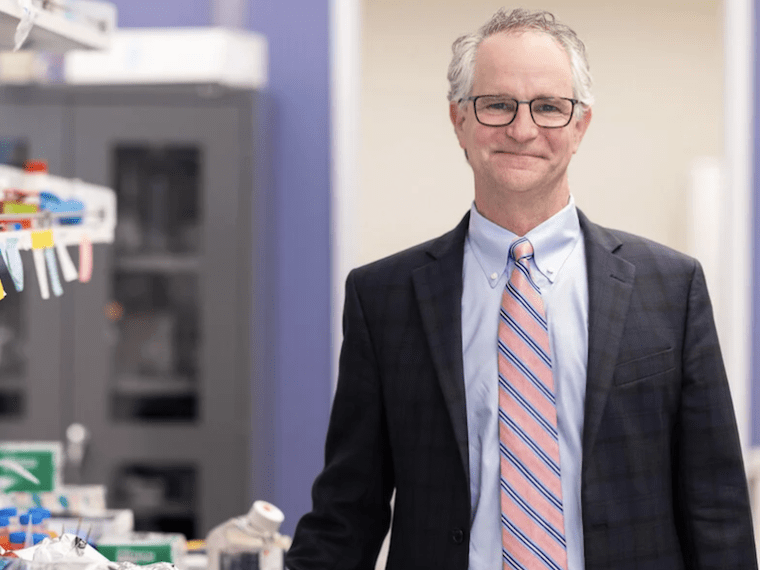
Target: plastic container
[(4, 532), (17, 540), (40, 521), (25, 527), (250, 542), (12, 514), (34, 524)]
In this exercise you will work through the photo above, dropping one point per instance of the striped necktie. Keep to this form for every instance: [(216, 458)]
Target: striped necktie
[(532, 522)]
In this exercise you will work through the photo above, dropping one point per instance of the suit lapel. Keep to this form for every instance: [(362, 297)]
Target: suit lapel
[(610, 282), (438, 287)]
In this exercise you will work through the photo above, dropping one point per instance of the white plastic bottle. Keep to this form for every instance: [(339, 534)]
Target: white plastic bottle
[(250, 542)]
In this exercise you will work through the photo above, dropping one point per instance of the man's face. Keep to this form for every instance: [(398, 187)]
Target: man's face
[(520, 158)]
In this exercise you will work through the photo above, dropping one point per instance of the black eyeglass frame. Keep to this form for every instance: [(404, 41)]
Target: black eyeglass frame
[(517, 109)]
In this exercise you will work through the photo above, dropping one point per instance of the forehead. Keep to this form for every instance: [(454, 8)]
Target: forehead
[(522, 64)]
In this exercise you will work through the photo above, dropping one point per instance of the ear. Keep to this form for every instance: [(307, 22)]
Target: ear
[(457, 115), (579, 128)]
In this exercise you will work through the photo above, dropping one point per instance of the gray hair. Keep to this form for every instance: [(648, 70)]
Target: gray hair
[(462, 66)]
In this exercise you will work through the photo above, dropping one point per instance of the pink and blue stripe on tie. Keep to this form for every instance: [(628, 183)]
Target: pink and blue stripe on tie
[(532, 522)]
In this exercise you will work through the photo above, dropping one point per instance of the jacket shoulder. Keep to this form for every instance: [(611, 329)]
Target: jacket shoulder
[(640, 250), (635, 249), (399, 266)]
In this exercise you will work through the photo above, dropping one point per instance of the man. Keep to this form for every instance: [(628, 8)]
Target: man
[(539, 391)]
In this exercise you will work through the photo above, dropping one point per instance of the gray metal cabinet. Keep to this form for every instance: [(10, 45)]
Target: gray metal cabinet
[(154, 356)]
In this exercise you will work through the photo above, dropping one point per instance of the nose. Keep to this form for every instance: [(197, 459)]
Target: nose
[(522, 128)]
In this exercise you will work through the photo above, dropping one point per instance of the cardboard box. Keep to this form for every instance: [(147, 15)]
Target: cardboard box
[(114, 522)]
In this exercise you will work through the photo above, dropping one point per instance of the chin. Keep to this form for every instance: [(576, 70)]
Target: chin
[(518, 182)]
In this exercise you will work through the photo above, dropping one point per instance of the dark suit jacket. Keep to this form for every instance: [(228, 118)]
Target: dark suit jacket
[(663, 485)]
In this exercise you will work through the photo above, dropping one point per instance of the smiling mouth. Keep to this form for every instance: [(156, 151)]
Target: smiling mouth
[(521, 154)]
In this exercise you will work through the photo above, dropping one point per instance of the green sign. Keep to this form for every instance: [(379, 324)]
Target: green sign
[(143, 547), (137, 553), (31, 468)]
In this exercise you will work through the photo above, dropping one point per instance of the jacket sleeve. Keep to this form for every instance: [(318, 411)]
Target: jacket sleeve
[(351, 497), (715, 523)]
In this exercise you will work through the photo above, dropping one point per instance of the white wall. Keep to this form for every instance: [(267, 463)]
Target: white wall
[(658, 68), (658, 71)]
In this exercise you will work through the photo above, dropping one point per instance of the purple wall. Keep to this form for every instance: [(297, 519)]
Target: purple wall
[(164, 13), (299, 90), (755, 271)]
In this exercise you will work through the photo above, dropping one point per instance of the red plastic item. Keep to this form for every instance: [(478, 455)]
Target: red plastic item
[(36, 166)]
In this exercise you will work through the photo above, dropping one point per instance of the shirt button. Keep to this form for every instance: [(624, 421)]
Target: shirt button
[(494, 276), (457, 536)]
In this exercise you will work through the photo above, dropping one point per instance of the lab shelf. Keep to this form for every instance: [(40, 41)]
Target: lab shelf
[(51, 32), (208, 56), (155, 385)]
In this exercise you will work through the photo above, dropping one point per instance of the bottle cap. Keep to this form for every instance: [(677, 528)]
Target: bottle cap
[(24, 519), (8, 512), (265, 516), (17, 537), (38, 537), (4, 521)]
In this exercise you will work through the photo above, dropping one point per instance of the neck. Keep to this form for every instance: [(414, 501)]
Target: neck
[(520, 213)]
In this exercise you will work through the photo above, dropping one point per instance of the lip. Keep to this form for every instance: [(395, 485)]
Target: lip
[(520, 154)]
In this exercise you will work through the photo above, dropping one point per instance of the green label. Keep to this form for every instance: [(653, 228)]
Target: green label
[(137, 554), (27, 470), (19, 208)]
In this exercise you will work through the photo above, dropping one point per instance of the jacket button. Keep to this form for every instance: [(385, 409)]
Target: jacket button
[(457, 536)]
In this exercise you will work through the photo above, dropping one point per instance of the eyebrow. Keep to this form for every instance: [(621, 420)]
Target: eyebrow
[(539, 96)]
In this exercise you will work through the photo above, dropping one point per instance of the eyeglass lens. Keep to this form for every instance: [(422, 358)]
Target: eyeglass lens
[(496, 111)]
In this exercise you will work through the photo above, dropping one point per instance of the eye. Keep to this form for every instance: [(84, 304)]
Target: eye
[(551, 106), (499, 105), (545, 108)]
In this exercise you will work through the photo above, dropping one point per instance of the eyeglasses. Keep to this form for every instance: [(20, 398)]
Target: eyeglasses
[(500, 111)]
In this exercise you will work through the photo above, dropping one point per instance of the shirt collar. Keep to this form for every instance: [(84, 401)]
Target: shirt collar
[(553, 240)]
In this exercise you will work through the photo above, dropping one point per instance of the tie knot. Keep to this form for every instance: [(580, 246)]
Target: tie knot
[(521, 249)]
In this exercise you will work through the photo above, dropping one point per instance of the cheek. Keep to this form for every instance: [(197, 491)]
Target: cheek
[(485, 138), (562, 146)]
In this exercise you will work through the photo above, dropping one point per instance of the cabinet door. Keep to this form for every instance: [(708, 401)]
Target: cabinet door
[(156, 375), (32, 356)]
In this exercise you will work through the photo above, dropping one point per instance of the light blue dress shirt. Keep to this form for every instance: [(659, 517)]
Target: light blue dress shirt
[(559, 269)]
